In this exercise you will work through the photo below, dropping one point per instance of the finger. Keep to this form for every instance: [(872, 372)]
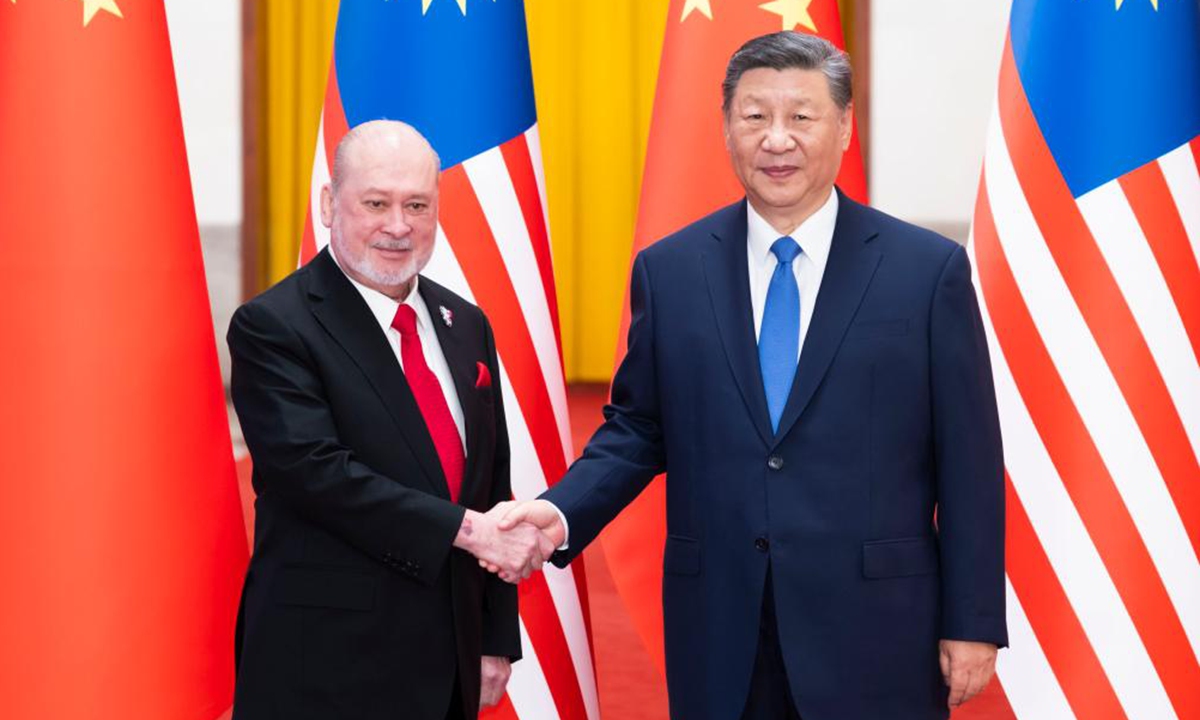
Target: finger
[(514, 516), (975, 685), (944, 661), (958, 686)]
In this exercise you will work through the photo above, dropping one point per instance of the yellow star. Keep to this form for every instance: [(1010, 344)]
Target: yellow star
[(462, 6), (704, 6), (1119, 2), (793, 13), (91, 7)]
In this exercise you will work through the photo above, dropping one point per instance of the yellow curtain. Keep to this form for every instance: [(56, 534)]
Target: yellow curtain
[(594, 69), (294, 42)]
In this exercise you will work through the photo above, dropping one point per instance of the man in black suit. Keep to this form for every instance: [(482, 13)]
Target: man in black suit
[(368, 397)]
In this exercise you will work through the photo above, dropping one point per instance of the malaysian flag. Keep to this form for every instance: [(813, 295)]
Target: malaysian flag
[(1085, 242), (458, 71)]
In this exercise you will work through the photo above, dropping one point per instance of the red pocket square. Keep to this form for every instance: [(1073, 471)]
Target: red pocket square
[(485, 376)]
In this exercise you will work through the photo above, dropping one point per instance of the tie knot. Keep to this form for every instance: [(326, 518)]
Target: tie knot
[(785, 249), (405, 320)]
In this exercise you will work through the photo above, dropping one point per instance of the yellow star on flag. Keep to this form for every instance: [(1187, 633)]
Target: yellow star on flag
[(1119, 3), (704, 6), (91, 7), (792, 12)]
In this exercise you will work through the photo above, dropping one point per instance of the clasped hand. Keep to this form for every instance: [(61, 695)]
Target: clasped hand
[(513, 551)]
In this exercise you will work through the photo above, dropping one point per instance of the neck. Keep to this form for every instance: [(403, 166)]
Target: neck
[(785, 221)]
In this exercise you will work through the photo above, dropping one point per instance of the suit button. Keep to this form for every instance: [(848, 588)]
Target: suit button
[(775, 462), (761, 544)]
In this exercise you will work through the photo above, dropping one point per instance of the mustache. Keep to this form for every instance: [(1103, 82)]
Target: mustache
[(392, 245)]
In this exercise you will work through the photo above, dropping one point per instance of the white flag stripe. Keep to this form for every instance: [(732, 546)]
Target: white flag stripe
[(1093, 390), (565, 593), (1183, 179), (1070, 550), (527, 687), (529, 481), (1029, 682), (1123, 243), (320, 176), (533, 140), (493, 186)]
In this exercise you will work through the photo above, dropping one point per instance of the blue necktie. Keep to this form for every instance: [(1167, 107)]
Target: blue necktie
[(779, 335)]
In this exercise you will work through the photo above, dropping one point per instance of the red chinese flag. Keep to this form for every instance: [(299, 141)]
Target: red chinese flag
[(121, 538), (687, 176)]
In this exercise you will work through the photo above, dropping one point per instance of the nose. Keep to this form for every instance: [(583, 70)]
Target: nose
[(396, 223), (778, 139)]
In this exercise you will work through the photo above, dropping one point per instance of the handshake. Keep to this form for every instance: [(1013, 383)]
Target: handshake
[(512, 539)]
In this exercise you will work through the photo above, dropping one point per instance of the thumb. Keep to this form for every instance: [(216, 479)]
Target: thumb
[(515, 516)]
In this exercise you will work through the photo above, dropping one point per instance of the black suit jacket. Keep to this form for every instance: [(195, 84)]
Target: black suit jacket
[(355, 603)]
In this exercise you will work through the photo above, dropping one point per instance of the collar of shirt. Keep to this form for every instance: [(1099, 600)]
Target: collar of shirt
[(383, 307), (814, 235)]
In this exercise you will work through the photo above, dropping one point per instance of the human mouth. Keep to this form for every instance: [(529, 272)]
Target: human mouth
[(394, 249), (779, 172)]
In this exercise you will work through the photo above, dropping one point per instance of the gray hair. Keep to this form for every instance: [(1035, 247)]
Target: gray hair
[(787, 50), (338, 171)]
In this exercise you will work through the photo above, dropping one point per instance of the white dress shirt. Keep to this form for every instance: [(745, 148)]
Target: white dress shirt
[(814, 236), (384, 309)]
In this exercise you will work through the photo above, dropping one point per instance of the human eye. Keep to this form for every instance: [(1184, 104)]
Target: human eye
[(417, 206), (374, 204)]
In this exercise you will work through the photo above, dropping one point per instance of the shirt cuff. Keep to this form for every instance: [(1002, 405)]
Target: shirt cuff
[(566, 528)]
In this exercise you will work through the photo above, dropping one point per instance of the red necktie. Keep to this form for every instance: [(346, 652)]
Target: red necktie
[(428, 392)]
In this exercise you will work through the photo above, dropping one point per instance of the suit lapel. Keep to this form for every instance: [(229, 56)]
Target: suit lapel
[(461, 357), (848, 272), (345, 316), (727, 271)]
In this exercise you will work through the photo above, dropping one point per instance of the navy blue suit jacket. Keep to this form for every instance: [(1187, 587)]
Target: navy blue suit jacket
[(891, 420)]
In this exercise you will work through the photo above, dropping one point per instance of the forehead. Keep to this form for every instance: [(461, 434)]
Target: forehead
[(390, 165), (790, 84)]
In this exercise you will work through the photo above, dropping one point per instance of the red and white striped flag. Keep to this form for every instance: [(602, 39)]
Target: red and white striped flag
[(459, 72), (1085, 243)]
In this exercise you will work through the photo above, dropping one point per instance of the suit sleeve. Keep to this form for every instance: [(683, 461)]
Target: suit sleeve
[(969, 462), (627, 451), (293, 441), (501, 628)]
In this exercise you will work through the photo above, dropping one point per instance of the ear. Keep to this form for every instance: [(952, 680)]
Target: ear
[(847, 125), (327, 205)]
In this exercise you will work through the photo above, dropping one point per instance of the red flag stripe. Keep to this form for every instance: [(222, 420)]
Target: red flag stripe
[(554, 656), (1100, 301), (1085, 476), (1054, 622), (334, 116), (1156, 212), (525, 183), (467, 230), (1075, 562), (520, 169)]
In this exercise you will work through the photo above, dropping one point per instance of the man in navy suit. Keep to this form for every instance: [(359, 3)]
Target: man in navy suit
[(813, 377)]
